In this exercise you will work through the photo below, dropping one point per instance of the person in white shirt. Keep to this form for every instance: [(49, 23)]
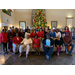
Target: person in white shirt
[(27, 33), (58, 33), (25, 43)]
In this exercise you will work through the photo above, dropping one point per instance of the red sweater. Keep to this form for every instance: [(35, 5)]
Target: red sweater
[(41, 34), (32, 35), (4, 37), (68, 32), (16, 41)]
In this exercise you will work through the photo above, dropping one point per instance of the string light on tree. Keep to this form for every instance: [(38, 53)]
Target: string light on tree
[(40, 20)]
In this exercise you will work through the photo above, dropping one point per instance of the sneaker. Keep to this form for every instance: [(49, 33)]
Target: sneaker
[(67, 53), (3, 52), (47, 57)]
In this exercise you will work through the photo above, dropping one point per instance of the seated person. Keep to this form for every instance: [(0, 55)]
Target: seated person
[(68, 42), (25, 43), (58, 44), (58, 33), (48, 46), (36, 44), (16, 43), (52, 33)]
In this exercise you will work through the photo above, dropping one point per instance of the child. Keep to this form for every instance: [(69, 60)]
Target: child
[(36, 44)]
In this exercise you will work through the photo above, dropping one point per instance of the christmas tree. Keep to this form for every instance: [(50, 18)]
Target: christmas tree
[(40, 20)]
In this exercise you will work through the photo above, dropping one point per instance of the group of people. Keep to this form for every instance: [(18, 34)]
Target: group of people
[(34, 38)]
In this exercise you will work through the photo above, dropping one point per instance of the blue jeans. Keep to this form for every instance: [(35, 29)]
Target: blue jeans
[(16, 47), (48, 51), (4, 45), (72, 47)]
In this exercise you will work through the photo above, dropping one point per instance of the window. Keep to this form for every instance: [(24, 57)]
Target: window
[(22, 25), (53, 24)]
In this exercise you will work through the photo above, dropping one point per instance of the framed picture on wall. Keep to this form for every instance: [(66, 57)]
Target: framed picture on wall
[(22, 25), (54, 24)]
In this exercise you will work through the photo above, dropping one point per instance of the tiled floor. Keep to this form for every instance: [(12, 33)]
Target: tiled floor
[(11, 59)]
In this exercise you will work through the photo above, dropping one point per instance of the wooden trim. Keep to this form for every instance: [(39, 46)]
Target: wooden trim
[(69, 18)]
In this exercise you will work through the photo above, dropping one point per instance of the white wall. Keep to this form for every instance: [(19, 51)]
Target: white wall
[(59, 15), (5, 17), (22, 15)]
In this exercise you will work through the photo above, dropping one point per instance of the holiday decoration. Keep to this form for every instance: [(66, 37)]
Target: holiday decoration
[(7, 11), (40, 20)]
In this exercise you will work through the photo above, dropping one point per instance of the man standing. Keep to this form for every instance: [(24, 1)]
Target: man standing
[(26, 29), (48, 46), (68, 42), (4, 39)]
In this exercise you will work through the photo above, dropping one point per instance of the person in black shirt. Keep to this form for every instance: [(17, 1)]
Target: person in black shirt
[(58, 44), (48, 50)]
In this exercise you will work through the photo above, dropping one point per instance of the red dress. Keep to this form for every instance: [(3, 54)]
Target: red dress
[(36, 41), (41, 34), (32, 35)]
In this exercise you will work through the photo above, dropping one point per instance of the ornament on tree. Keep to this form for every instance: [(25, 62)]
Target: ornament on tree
[(40, 12), (41, 15), (44, 17), (39, 20), (35, 13), (42, 24), (44, 21)]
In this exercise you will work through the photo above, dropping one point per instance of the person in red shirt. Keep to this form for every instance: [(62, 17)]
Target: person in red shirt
[(36, 44), (16, 43), (41, 34), (4, 39), (67, 30), (33, 34)]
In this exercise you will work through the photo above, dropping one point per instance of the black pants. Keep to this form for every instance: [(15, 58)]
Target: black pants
[(4, 45)]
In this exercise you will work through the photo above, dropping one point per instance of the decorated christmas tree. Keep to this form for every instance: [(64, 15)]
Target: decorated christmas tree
[(40, 20)]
